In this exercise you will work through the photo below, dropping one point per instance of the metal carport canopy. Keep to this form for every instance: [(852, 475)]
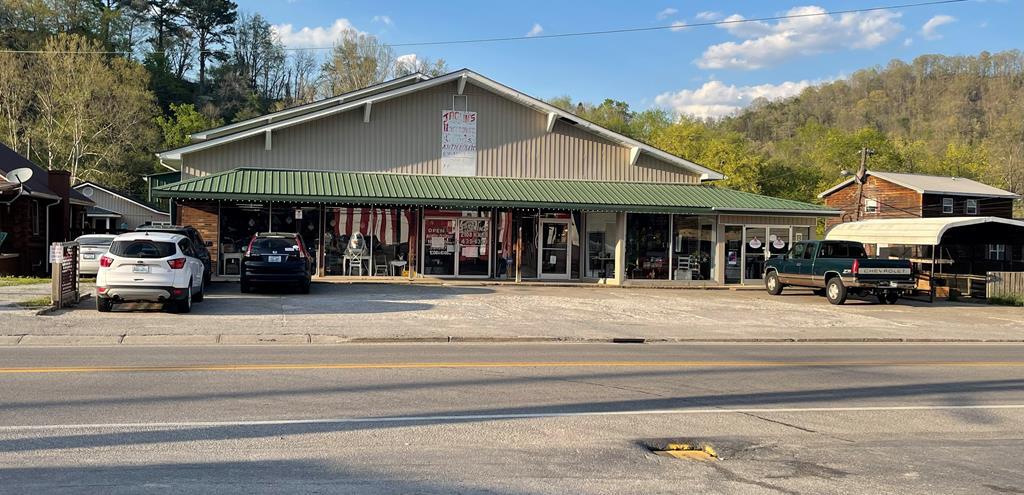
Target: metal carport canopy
[(907, 231)]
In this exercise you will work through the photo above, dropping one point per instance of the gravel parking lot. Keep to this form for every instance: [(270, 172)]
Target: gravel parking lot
[(339, 312)]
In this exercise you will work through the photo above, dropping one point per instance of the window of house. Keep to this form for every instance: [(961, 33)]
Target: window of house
[(947, 206), (37, 224), (997, 252), (870, 205), (972, 207)]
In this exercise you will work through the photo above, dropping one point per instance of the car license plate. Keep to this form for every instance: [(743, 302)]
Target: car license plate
[(140, 269), (88, 256), (274, 259)]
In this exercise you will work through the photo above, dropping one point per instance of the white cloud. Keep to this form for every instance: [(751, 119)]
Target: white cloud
[(765, 44), (716, 99), (908, 42), (386, 20), (678, 26), (930, 29), (666, 13), (708, 15), (312, 36), (536, 30)]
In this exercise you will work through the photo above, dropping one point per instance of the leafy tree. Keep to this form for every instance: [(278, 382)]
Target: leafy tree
[(93, 114), (184, 121), (358, 60)]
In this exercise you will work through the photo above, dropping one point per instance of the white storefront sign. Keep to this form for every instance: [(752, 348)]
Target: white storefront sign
[(458, 143)]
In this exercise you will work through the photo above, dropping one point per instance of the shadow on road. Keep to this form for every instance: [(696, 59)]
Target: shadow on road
[(947, 393)]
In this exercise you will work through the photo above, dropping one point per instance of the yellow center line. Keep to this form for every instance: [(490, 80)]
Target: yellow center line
[(500, 364)]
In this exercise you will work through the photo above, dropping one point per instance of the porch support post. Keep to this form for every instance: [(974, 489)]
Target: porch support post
[(620, 249)]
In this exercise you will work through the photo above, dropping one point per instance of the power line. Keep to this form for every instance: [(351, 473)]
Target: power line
[(580, 33)]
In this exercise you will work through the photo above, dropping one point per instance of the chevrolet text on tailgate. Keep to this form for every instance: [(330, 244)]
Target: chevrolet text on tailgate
[(839, 268)]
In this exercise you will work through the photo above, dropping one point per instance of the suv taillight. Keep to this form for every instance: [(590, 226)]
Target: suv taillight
[(248, 250), (856, 266), (106, 261), (176, 263)]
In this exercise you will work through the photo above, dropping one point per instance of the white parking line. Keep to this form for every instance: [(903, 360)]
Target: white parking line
[(491, 417)]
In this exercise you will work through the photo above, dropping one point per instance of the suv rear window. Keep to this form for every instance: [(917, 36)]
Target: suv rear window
[(274, 245), (142, 249)]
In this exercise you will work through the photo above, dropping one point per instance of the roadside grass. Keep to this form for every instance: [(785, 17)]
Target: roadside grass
[(36, 302), (1007, 301), (12, 281)]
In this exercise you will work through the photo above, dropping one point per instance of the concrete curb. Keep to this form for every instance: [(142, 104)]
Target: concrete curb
[(311, 339)]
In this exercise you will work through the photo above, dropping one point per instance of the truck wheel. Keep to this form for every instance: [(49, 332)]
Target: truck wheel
[(104, 305), (892, 296), (772, 283), (835, 291)]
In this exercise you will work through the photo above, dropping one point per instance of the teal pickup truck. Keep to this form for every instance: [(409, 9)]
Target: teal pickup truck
[(839, 269)]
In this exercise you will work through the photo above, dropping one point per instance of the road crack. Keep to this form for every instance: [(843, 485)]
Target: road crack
[(796, 427)]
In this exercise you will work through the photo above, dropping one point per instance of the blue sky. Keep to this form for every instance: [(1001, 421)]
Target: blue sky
[(705, 71)]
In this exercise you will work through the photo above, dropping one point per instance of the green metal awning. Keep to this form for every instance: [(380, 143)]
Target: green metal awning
[(321, 186)]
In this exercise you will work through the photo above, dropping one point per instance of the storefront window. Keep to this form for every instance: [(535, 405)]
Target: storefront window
[(733, 253), (778, 241), (367, 241), (694, 247), (456, 244), (647, 246), (238, 224), (600, 241), (801, 234)]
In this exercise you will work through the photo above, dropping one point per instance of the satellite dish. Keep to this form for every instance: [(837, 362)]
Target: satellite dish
[(20, 175)]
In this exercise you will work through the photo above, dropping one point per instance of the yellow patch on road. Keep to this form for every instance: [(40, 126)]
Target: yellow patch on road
[(507, 364)]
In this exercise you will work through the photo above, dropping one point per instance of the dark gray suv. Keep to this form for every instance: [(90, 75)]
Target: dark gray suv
[(201, 247)]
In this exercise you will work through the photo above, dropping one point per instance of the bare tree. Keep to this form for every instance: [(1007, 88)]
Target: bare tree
[(358, 60)]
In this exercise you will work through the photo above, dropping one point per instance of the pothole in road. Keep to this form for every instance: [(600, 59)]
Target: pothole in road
[(692, 450)]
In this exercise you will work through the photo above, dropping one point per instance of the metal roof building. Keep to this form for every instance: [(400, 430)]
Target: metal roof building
[(461, 176)]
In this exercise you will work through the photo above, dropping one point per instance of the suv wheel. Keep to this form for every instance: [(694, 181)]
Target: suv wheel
[(104, 305), (835, 291), (182, 306), (202, 293), (772, 283)]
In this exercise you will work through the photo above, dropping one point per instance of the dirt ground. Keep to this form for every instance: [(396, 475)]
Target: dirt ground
[(336, 312)]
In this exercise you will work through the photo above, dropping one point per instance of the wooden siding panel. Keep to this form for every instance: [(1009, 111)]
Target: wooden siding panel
[(987, 207), (894, 201), (404, 136)]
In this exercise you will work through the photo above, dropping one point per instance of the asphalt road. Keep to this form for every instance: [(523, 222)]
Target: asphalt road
[(515, 419)]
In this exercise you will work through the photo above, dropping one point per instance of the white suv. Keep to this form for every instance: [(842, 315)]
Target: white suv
[(150, 267)]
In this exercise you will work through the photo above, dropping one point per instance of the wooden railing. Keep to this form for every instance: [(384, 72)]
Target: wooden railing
[(1005, 284)]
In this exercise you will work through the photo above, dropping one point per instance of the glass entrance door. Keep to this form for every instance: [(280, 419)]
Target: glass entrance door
[(554, 248), (754, 240), (439, 249), (474, 257)]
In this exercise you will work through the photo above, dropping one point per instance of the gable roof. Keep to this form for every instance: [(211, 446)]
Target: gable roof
[(125, 196), (933, 184), (308, 107), (259, 184), (38, 184), (461, 76)]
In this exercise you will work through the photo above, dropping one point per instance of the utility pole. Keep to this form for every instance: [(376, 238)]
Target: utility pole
[(862, 177)]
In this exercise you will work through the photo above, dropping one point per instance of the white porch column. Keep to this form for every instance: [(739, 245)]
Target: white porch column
[(720, 261), (620, 250)]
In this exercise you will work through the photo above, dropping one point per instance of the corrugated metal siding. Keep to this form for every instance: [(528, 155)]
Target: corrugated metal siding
[(404, 136), (766, 220), (131, 213)]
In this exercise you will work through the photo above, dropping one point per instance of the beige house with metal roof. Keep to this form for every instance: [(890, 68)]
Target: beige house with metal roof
[(461, 176)]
